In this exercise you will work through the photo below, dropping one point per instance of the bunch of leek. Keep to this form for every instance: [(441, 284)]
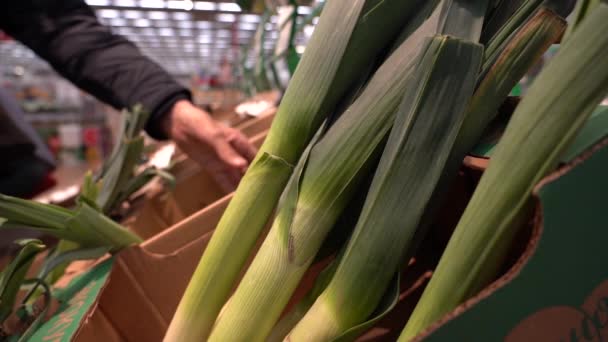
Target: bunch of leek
[(347, 37), (411, 165), (319, 190), (546, 120), (386, 230)]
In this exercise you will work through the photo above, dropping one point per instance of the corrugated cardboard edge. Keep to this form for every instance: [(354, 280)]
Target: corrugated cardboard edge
[(132, 294), (136, 275), (161, 211), (530, 250), (92, 315), (258, 125)]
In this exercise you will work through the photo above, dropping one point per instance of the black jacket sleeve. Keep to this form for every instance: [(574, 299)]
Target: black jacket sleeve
[(68, 35)]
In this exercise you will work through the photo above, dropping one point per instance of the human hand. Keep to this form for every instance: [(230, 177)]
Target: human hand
[(223, 151)]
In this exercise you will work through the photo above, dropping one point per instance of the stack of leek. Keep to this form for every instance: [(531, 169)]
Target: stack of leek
[(347, 37), (546, 120), (373, 255), (410, 167), (319, 190), (434, 82)]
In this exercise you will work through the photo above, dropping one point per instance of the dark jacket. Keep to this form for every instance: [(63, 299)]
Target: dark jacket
[(67, 34)]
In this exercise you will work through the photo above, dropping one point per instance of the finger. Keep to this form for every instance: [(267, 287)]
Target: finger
[(242, 145), (229, 156)]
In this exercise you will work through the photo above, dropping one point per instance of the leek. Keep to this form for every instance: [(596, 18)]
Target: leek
[(581, 11), (521, 52), (83, 225), (118, 170), (13, 276)]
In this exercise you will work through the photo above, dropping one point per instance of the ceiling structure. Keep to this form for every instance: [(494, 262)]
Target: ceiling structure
[(183, 36)]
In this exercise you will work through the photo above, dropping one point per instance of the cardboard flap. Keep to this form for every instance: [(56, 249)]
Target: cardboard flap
[(145, 288), (558, 290), (78, 304), (254, 127), (195, 189), (189, 230)]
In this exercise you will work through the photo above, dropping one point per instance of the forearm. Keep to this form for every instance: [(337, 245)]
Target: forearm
[(67, 34)]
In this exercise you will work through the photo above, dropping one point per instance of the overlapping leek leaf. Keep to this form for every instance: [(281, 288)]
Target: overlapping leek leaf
[(511, 25), (11, 278), (346, 39), (548, 118), (84, 225), (119, 169), (321, 187), (411, 165), (522, 51), (581, 11)]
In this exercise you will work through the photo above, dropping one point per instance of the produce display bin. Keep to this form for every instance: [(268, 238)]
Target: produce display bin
[(553, 286), (194, 190)]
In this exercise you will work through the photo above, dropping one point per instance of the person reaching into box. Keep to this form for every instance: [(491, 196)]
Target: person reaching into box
[(67, 34)]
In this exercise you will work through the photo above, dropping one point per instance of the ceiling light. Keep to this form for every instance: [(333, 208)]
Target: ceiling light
[(223, 34), (108, 13), (132, 14), (247, 26), (152, 3), (308, 30), (204, 40), (176, 4), (250, 18), (228, 7), (98, 2), (185, 33), (118, 22), (165, 32), (157, 15), (203, 25), (188, 5), (204, 6), (124, 3), (226, 18), (304, 10), (142, 23), (185, 24), (244, 34), (148, 31), (181, 16), (125, 31), (162, 23)]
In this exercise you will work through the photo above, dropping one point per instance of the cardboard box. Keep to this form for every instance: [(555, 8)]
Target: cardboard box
[(554, 286), (259, 124), (194, 190), (158, 209)]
